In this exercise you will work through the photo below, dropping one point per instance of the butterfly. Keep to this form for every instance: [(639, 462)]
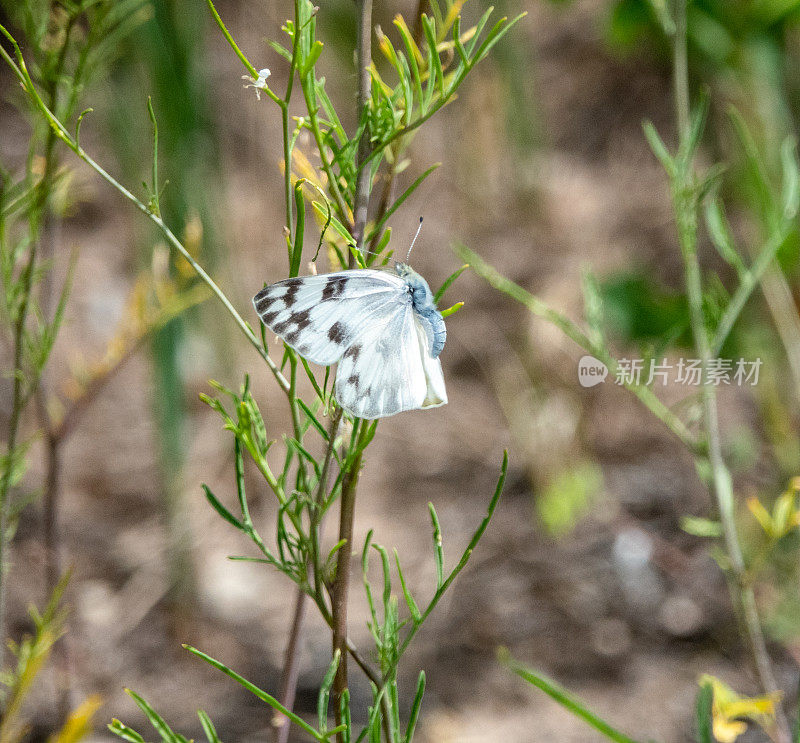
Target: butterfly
[(382, 328)]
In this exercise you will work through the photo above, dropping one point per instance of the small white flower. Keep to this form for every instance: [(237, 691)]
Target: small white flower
[(259, 83)]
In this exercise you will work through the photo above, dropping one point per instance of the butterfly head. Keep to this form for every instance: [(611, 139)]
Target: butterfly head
[(417, 286)]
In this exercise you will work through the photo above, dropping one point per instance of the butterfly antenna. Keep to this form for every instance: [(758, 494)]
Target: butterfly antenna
[(414, 240)]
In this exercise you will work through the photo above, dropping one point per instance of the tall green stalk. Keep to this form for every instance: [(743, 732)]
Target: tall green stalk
[(685, 206)]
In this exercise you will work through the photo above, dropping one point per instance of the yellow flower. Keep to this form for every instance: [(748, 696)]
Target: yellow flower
[(729, 710)]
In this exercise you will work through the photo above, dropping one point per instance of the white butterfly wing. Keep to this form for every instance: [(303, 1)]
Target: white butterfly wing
[(388, 369), (435, 393), (320, 316)]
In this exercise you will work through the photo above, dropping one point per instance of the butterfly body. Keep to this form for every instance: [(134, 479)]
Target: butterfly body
[(382, 328), (424, 305)]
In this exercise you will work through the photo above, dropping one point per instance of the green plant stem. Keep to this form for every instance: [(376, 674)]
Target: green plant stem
[(13, 430), (539, 308), (685, 208), (778, 294), (307, 84), (681, 68), (63, 134), (20, 395), (746, 286)]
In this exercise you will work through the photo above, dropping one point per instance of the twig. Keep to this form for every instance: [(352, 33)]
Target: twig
[(291, 670), (341, 586), (54, 567), (349, 483), (364, 56)]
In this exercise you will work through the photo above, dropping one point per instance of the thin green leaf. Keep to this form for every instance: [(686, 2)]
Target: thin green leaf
[(296, 252), (398, 203), (703, 717), (438, 550), (300, 449), (312, 58), (436, 71), (479, 26), (325, 692), (452, 310), (593, 308), (697, 126), (413, 609), (312, 419), (313, 380), (448, 282), (123, 731), (411, 52), (567, 700), (208, 727), (659, 148), (791, 178), (238, 465), (501, 28), (219, 508), (720, 234), (416, 706), (161, 727), (253, 689), (335, 223)]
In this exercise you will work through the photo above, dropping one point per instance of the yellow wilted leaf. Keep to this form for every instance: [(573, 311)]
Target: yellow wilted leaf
[(376, 77), (400, 22), (760, 513), (304, 169), (729, 710), (79, 722), (450, 18), (193, 242)]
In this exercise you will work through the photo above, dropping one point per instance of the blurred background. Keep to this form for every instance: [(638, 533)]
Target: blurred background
[(585, 571)]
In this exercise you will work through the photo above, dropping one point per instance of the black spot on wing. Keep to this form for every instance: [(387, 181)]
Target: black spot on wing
[(353, 380), (334, 288), (269, 317), (292, 288), (263, 299), (303, 319), (281, 327), (336, 332), (353, 352)]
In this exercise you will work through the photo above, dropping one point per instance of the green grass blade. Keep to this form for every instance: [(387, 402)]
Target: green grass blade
[(705, 698), (448, 282), (219, 508), (567, 700), (260, 693), (208, 727)]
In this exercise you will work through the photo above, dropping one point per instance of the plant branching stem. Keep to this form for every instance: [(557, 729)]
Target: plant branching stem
[(685, 208), (341, 586), (63, 134), (291, 669), (20, 395), (742, 293), (539, 308)]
